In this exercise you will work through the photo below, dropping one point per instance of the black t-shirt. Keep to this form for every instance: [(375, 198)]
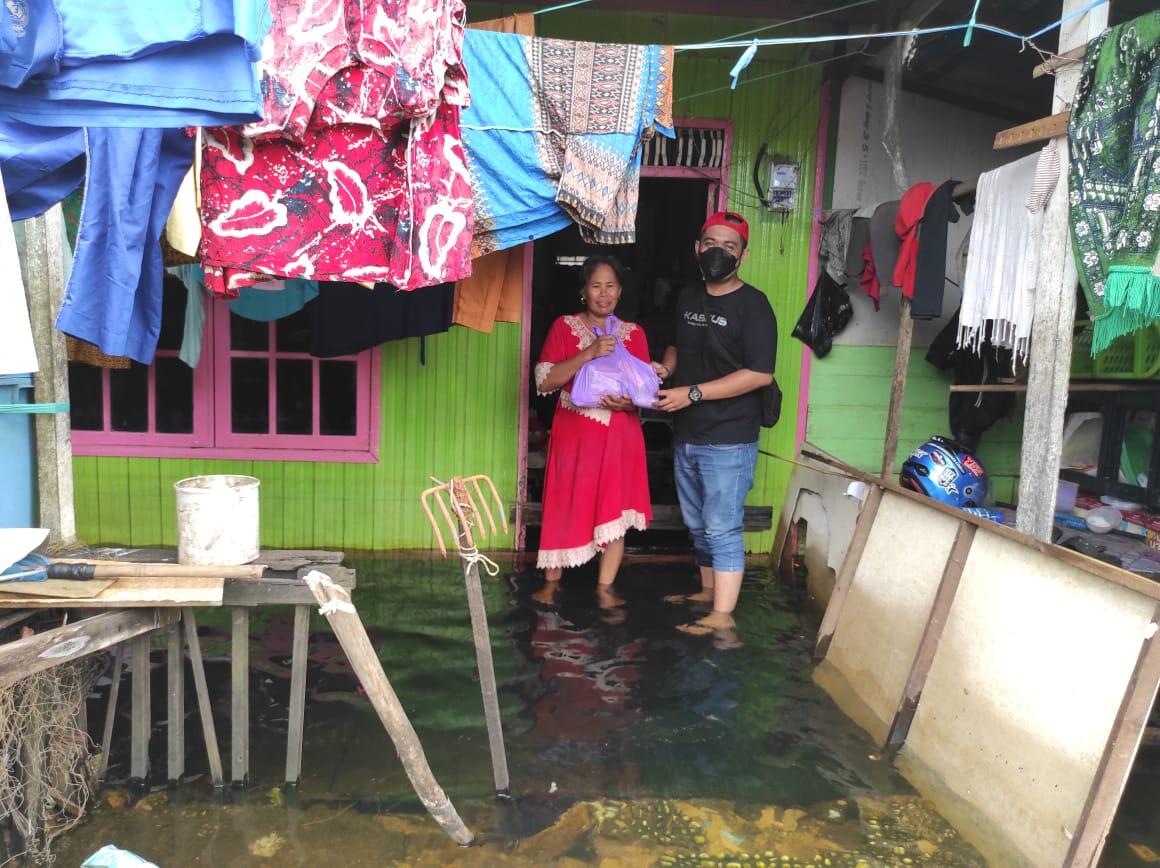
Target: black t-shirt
[(745, 336)]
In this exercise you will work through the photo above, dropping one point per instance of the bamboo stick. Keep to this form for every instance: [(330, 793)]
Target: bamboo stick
[(352, 636)]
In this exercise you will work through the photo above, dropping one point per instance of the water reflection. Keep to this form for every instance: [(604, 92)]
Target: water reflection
[(613, 719)]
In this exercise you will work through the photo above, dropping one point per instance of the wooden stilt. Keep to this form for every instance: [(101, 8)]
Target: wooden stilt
[(352, 636), (142, 709), (175, 728), (298, 664), (111, 711), (240, 702), (205, 709)]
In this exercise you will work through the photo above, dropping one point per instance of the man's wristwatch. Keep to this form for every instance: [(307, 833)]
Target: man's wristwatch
[(694, 394)]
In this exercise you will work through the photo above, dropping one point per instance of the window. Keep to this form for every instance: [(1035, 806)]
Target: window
[(256, 393)]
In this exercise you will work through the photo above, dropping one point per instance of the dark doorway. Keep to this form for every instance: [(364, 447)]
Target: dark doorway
[(669, 215)]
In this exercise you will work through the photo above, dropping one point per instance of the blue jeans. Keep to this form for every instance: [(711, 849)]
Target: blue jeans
[(712, 482)]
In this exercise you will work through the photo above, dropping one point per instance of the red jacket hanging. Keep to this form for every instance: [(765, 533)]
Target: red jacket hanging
[(906, 225)]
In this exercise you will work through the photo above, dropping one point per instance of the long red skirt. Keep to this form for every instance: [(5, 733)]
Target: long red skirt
[(595, 486)]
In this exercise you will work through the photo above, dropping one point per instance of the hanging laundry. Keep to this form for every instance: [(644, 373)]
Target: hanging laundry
[(930, 267), (906, 225), (523, 23), (494, 292), (1114, 138), (999, 282), (183, 226), (859, 238), (113, 298), (120, 63), (274, 299), (884, 241), (835, 243), (17, 351), (41, 165), (347, 319), (554, 135), (869, 279), (35, 37), (371, 192)]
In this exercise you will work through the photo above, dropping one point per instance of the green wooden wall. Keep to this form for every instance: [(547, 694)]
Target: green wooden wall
[(456, 414), (459, 413), (849, 392)]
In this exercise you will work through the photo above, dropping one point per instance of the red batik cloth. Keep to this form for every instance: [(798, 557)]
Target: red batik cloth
[(374, 188), (596, 483)]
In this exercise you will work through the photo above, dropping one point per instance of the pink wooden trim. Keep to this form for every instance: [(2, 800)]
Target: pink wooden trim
[(815, 243), (525, 398), (208, 402)]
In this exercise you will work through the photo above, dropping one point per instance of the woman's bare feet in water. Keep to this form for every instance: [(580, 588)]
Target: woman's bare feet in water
[(547, 594), (607, 598), (705, 595), (711, 623)]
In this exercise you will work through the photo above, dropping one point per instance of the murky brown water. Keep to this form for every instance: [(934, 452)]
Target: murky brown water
[(629, 743)]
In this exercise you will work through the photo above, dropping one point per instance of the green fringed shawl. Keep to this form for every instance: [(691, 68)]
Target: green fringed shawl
[(1114, 137)]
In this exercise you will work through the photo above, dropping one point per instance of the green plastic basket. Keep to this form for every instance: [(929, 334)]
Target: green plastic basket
[(1132, 357)]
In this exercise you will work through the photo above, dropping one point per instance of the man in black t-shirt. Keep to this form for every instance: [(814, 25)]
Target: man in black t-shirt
[(726, 341)]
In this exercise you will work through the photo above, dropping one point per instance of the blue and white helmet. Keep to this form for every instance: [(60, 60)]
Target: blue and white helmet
[(945, 471)]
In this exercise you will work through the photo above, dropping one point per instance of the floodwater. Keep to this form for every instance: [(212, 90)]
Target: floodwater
[(629, 743)]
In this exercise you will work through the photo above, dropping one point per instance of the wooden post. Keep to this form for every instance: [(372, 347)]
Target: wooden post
[(240, 702), (352, 636), (298, 664), (175, 727), (43, 267), (142, 710), (1051, 332), (204, 707), (111, 712)]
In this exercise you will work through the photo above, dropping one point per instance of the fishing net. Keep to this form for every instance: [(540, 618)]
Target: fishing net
[(45, 776)]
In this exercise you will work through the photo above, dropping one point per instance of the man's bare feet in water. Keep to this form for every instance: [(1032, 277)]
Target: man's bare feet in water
[(547, 594), (711, 623), (705, 595), (607, 598)]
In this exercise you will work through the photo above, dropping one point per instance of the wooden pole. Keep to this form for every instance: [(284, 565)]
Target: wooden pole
[(298, 664), (142, 722), (352, 636), (175, 725), (240, 695), (43, 267), (205, 709), (483, 659), (1050, 369), (111, 711)]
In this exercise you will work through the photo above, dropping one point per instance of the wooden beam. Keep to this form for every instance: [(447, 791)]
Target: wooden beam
[(142, 721), (1119, 753), (1059, 61), (298, 665), (845, 578), (240, 695), (940, 611), (43, 267), (175, 712), (111, 711), (1050, 365), (1034, 131), (204, 706), (1072, 387), (51, 648)]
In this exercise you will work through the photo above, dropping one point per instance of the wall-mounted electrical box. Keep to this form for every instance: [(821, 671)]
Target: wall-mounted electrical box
[(783, 186)]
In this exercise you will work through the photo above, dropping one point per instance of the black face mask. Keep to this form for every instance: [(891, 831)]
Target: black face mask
[(716, 264)]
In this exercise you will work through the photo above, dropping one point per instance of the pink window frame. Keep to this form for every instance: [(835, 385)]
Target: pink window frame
[(211, 414)]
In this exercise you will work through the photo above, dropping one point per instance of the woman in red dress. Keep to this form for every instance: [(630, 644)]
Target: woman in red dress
[(596, 484)]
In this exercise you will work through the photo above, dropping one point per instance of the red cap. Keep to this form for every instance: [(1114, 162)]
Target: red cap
[(730, 220)]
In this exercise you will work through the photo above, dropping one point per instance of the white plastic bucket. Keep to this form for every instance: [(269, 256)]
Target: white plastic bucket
[(217, 520)]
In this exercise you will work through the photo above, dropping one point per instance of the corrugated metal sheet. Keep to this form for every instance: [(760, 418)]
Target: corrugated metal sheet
[(459, 413)]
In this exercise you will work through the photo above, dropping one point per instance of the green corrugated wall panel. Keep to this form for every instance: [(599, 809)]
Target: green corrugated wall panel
[(87, 499), (459, 412), (849, 391)]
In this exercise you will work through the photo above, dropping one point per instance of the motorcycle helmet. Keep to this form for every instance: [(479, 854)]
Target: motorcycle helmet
[(945, 471)]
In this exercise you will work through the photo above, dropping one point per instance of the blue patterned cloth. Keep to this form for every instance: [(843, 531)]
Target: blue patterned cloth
[(554, 134)]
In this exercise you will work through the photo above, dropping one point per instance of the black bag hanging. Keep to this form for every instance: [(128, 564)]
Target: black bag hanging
[(826, 313)]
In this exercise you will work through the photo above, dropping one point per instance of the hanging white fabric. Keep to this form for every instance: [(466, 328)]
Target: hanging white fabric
[(17, 351)]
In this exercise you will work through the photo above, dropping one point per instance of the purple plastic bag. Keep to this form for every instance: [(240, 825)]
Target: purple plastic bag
[(618, 373)]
